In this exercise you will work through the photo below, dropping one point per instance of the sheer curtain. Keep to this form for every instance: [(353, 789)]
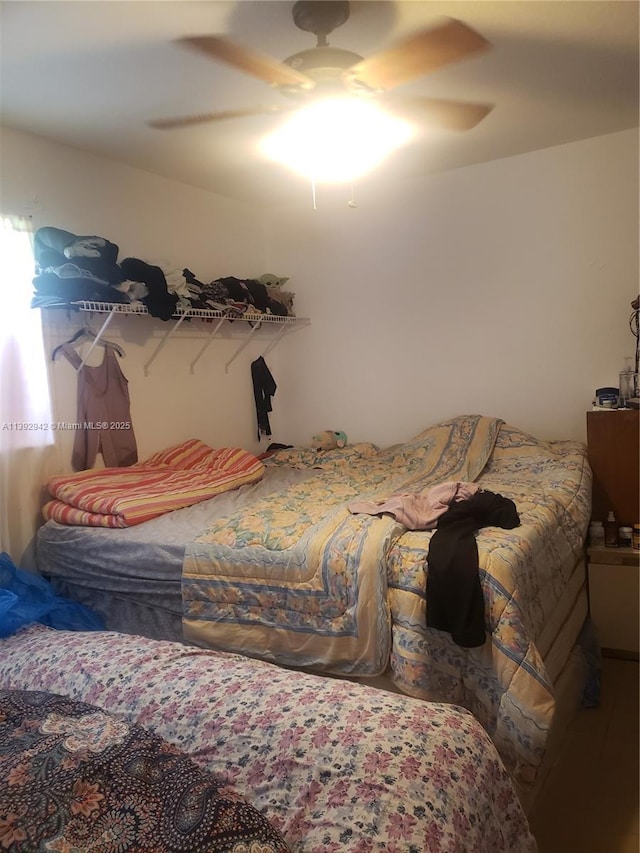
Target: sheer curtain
[(26, 436)]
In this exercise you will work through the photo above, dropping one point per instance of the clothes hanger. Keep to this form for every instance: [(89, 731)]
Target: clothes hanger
[(86, 334)]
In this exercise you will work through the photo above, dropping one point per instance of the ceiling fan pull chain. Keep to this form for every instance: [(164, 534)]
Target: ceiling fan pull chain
[(352, 201), (313, 193)]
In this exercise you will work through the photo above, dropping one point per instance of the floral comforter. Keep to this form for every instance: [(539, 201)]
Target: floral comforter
[(297, 578), (524, 573), (334, 767), (76, 778)]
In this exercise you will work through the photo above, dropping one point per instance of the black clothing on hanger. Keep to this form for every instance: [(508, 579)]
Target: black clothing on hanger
[(264, 387)]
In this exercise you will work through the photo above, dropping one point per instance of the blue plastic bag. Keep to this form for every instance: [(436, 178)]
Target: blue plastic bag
[(26, 598)]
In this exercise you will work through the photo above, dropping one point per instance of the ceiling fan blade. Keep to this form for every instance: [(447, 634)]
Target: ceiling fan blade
[(418, 54), (203, 118), (259, 65), (450, 115)]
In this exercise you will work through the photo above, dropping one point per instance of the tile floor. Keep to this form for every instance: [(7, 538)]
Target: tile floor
[(589, 803)]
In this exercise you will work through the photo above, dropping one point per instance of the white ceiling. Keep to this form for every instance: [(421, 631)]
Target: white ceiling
[(89, 74)]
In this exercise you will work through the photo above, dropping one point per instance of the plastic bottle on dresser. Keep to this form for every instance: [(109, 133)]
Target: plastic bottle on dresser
[(596, 533), (611, 531), (625, 535)]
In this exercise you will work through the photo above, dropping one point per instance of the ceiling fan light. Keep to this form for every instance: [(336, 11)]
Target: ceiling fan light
[(336, 140)]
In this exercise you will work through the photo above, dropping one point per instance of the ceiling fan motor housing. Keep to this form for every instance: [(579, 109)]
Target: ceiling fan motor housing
[(320, 17), (323, 64), (320, 62)]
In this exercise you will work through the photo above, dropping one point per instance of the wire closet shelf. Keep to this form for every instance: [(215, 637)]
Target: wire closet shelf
[(254, 319)]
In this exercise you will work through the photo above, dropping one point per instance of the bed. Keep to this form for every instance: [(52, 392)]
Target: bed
[(330, 765), (74, 777), (284, 572)]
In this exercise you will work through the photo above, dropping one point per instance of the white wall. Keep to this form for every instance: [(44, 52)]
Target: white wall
[(502, 288), (154, 219)]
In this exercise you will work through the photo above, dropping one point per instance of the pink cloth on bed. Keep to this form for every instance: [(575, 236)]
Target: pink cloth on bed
[(418, 512)]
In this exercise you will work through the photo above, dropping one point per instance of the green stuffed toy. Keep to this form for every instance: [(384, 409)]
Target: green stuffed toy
[(329, 440)]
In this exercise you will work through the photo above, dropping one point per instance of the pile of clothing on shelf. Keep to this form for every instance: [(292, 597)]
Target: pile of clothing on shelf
[(231, 295), (71, 268)]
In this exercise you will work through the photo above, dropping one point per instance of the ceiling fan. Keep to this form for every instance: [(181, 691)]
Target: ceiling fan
[(323, 70)]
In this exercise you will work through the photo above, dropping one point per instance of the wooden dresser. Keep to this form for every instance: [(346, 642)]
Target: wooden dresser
[(613, 442), (614, 573)]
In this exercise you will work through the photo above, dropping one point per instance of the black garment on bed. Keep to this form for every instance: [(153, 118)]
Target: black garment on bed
[(264, 387), (455, 602)]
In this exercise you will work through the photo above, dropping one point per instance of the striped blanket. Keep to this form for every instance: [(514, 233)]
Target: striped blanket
[(170, 479)]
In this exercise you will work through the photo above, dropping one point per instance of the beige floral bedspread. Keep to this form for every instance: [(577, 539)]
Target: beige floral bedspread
[(298, 579), (524, 573)]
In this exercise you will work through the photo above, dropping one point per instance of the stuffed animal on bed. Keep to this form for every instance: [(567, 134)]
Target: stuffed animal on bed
[(329, 440)]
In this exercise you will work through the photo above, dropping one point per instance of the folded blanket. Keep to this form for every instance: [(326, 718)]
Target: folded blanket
[(174, 478)]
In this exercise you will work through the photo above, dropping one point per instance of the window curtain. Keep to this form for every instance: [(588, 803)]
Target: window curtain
[(27, 450)]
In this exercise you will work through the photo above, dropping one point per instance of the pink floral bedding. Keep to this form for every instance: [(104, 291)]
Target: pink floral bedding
[(76, 779), (335, 767)]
